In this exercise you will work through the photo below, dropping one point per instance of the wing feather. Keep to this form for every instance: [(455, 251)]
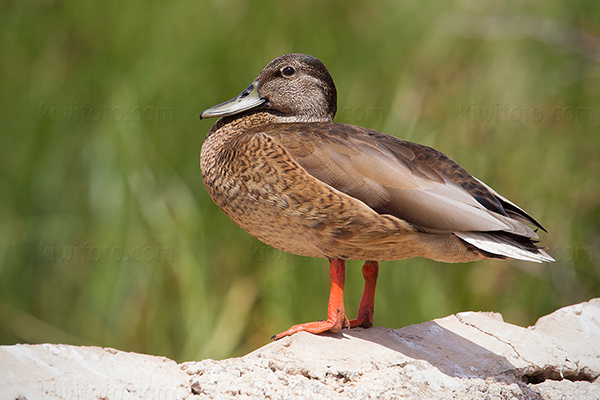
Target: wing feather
[(415, 183)]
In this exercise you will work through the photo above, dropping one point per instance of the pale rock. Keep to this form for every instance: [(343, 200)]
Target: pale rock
[(464, 356)]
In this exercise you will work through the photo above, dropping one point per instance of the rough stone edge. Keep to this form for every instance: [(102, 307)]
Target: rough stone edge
[(30, 372)]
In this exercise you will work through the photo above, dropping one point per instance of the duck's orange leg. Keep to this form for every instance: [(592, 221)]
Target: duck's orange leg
[(336, 317), (367, 303)]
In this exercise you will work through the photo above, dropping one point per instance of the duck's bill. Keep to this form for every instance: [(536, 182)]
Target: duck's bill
[(249, 98)]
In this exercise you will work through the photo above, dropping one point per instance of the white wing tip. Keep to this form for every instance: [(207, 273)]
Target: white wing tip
[(487, 242)]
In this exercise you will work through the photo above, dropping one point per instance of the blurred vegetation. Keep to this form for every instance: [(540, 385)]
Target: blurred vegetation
[(108, 237)]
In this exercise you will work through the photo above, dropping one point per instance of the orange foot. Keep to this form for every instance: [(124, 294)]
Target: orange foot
[(316, 327), (336, 317), (367, 303)]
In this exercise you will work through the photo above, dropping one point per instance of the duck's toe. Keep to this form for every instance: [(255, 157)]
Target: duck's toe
[(331, 325)]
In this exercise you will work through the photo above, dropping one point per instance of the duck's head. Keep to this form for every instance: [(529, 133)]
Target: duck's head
[(292, 88)]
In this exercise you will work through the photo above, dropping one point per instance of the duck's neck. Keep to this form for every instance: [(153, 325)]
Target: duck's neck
[(257, 118)]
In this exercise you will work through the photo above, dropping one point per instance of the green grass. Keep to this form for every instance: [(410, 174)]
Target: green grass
[(108, 237)]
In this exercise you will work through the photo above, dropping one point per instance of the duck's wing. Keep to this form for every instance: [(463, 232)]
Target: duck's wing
[(412, 182)]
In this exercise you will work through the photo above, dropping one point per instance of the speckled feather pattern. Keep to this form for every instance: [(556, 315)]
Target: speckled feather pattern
[(259, 185), (281, 169)]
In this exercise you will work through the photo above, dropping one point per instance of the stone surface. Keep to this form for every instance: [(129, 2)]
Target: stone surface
[(58, 371), (467, 356)]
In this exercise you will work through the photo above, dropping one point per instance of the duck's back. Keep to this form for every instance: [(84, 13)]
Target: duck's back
[(341, 191)]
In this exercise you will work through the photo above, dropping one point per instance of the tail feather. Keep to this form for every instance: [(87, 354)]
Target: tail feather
[(507, 245)]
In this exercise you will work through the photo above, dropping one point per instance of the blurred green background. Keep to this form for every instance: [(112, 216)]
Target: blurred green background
[(109, 238)]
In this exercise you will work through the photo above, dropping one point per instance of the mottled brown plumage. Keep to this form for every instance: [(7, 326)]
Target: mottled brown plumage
[(278, 166)]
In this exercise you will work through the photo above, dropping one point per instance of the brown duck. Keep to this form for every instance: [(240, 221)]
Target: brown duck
[(278, 166)]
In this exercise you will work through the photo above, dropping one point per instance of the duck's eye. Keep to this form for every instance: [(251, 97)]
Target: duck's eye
[(288, 71)]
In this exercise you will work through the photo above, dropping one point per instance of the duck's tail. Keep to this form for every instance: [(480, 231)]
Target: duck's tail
[(506, 245)]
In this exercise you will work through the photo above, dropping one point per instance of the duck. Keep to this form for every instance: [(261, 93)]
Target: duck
[(279, 167)]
